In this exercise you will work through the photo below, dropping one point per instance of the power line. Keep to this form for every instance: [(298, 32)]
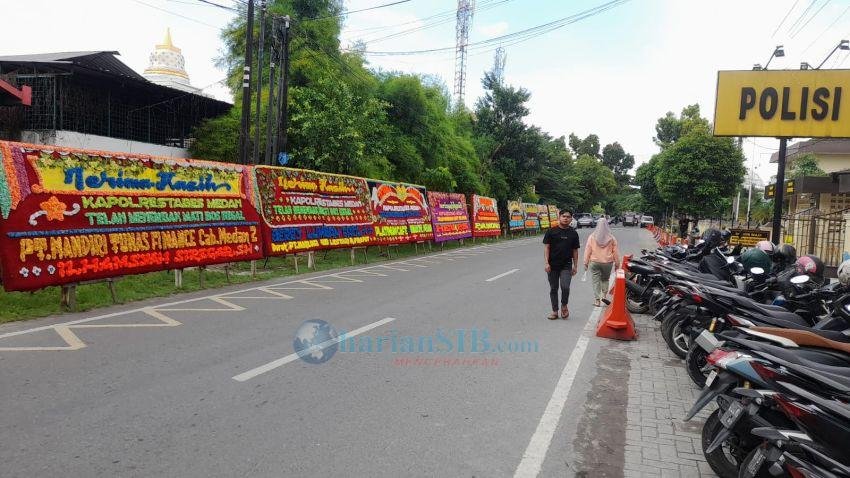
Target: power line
[(441, 21), (355, 11), (827, 29), (516, 37), (224, 7), (802, 15), (785, 18), (824, 4), (140, 2)]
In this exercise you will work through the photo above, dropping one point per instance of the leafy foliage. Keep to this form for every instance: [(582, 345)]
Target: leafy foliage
[(806, 165), (698, 171), (618, 161), (346, 118)]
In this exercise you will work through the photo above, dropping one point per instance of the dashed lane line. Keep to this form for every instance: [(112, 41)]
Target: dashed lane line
[(254, 372), (73, 342)]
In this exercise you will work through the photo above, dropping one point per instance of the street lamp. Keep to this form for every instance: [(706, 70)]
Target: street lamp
[(842, 45), (779, 51)]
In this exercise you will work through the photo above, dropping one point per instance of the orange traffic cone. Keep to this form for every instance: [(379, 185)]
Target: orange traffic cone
[(616, 322)]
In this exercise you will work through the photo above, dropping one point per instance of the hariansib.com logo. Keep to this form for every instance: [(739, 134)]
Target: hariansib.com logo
[(317, 341)]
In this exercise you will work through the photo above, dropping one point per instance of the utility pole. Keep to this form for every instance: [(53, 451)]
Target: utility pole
[(464, 21), (283, 96), (780, 193), (245, 133), (271, 112), (257, 128)]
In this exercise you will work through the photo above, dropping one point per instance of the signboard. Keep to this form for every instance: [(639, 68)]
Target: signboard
[(553, 216), (72, 215), (531, 211), (517, 218), (449, 216), (485, 217), (748, 237), (308, 210), (782, 103), (543, 216), (770, 190), (400, 212)]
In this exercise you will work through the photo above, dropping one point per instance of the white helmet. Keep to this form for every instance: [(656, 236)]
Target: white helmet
[(844, 273)]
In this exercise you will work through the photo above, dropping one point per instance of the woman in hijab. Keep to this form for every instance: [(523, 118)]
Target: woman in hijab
[(600, 257)]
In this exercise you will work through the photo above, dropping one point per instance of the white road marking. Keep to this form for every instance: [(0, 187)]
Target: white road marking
[(254, 372), (63, 328), (535, 453), (503, 274)]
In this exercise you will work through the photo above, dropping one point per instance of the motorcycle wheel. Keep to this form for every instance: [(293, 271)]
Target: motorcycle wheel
[(696, 359), (677, 340), (726, 460), (634, 304)]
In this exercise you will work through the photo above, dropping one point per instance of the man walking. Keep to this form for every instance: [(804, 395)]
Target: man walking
[(560, 252)]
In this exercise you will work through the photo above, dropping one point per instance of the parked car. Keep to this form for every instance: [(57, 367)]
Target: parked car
[(646, 221), (584, 219)]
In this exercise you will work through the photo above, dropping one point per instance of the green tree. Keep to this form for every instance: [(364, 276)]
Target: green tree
[(698, 171), (618, 161), (508, 147), (588, 145), (594, 180), (439, 179), (645, 177), (669, 128), (556, 183), (806, 165)]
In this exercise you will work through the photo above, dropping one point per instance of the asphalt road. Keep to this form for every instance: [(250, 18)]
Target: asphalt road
[(171, 387)]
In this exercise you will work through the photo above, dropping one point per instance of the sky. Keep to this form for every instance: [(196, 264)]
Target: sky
[(613, 74)]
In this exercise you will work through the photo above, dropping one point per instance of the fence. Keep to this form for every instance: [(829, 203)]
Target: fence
[(821, 234)]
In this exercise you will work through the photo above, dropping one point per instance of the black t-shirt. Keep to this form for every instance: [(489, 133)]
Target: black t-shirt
[(561, 242)]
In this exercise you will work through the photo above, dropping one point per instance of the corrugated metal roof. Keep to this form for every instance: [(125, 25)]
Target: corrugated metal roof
[(103, 61)]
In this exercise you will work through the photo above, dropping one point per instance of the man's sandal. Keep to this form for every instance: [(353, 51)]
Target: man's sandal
[(553, 316), (565, 312)]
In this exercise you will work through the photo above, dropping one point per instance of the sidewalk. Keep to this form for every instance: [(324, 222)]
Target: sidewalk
[(644, 385)]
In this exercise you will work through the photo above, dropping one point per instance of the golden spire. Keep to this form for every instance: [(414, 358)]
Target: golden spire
[(166, 43)]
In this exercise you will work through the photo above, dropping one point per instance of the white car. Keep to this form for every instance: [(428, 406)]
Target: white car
[(584, 220), (646, 221)]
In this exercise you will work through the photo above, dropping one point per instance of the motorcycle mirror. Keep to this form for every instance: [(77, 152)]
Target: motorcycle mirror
[(756, 271), (801, 279)]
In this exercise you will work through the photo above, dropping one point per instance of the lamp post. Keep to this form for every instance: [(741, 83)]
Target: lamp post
[(778, 52), (842, 45)]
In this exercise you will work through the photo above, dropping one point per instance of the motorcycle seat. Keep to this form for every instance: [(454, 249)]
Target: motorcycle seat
[(802, 356), (772, 311), (808, 338), (837, 378)]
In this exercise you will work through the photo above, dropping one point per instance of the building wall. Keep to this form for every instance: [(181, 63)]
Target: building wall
[(72, 139), (830, 163)]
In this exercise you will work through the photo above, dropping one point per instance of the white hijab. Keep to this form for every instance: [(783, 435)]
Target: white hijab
[(602, 234)]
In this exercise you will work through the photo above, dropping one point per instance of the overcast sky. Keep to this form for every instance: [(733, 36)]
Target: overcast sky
[(612, 74)]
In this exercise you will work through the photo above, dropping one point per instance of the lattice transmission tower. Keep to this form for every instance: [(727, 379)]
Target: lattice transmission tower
[(499, 60), (464, 21)]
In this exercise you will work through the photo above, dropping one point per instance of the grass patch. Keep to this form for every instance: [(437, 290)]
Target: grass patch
[(15, 306)]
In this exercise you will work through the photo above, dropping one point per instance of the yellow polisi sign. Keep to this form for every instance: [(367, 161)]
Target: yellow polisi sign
[(793, 104)]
